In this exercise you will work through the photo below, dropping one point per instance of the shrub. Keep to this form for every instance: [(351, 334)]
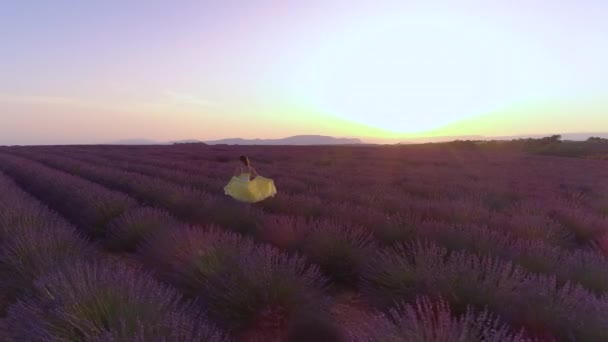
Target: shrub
[(233, 216), (94, 301), (531, 226), (472, 238), (402, 272), (184, 202), (25, 213), (482, 281), (295, 205), (583, 225), (177, 326), (427, 320), (359, 215), (566, 311), (34, 251), (126, 232), (339, 250), (536, 256), (285, 232), (314, 327), (188, 256), (499, 202), (266, 290), (397, 228), (9, 291), (18, 210), (586, 267), (459, 211), (89, 205)]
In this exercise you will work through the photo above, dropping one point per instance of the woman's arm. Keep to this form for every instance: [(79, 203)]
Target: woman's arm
[(253, 173)]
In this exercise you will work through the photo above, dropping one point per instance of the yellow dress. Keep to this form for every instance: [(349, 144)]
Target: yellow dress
[(243, 189)]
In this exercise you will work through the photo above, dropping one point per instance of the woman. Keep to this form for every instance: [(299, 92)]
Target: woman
[(247, 186)]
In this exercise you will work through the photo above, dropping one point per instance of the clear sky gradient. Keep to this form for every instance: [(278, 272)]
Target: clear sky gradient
[(99, 71)]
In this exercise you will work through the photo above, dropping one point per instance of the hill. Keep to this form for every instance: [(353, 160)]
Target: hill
[(294, 140)]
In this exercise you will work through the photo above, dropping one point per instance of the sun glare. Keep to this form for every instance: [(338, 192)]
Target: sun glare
[(422, 72)]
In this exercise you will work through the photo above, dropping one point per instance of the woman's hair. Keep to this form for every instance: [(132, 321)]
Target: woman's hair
[(245, 160)]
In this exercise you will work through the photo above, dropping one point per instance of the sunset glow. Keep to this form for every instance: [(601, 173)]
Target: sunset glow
[(85, 72)]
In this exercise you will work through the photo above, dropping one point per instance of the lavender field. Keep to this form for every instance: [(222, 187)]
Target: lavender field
[(399, 243)]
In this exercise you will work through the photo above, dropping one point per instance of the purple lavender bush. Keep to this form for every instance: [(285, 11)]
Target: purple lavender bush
[(399, 228), (482, 281), (185, 202), (229, 214), (186, 325), (22, 212), (34, 251), (189, 256), (584, 225), (531, 226), (305, 205), (266, 290), (285, 232), (472, 238), (18, 209), (402, 272), (357, 215), (583, 266), (314, 327), (127, 231), (563, 312), (542, 305), (89, 205), (339, 250), (428, 320), (33, 240), (104, 302)]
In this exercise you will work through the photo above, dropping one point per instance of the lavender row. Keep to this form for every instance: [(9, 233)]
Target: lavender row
[(546, 308), (247, 287), (381, 163), (145, 225), (33, 240), (185, 202), (176, 256), (326, 244), (500, 199), (95, 301), (433, 320), (588, 273), (58, 292), (276, 283), (586, 267), (201, 179), (476, 244), (341, 248), (256, 290), (89, 205), (553, 223)]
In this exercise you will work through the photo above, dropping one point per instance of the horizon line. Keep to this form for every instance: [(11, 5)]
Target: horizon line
[(362, 140)]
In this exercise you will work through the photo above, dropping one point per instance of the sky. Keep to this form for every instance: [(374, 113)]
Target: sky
[(100, 71)]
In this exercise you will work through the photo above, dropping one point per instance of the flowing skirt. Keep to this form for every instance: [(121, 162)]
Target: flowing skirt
[(250, 191)]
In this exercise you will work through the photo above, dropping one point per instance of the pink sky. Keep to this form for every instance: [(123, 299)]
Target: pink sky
[(90, 72)]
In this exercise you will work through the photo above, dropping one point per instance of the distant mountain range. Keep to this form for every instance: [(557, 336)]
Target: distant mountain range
[(327, 140), (137, 142), (294, 140)]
